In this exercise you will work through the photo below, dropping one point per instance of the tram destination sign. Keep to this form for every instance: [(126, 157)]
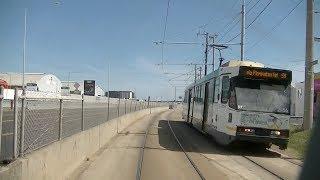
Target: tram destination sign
[(265, 74)]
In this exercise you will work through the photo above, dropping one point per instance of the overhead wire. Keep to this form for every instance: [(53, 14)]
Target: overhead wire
[(229, 30), (238, 22), (260, 13), (275, 26), (233, 5), (165, 30), (253, 6)]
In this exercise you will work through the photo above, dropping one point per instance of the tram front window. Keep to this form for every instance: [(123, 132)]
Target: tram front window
[(261, 97)]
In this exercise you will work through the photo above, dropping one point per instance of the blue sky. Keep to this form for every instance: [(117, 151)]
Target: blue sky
[(85, 37)]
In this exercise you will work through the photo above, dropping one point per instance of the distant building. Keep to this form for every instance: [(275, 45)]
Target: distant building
[(74, 87), (71, 87), (298, 99), (121, 94), (33, 81), (99, 91)]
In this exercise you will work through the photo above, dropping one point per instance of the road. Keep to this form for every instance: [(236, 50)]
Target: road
[(163, 158)]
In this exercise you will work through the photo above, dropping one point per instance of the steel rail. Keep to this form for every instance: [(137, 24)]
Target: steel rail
[(140, 160), (264, 168), (188, 157)]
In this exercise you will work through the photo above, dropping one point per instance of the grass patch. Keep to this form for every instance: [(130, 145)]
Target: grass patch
[(299, 141)]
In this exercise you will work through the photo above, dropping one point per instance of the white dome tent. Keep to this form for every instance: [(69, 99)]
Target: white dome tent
[(41, 82)]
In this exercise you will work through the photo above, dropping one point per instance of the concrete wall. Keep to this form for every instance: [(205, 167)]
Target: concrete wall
[(58, 160)]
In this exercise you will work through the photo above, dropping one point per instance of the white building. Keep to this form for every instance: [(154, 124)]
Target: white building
[(33, 81), (297, 99)]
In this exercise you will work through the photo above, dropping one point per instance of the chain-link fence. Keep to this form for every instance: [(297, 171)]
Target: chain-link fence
[(31, 123)]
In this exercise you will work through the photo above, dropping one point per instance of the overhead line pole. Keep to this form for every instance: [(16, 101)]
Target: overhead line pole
[(213, 48), (309, 76), (242, 29), (24, 52), (206, 54)]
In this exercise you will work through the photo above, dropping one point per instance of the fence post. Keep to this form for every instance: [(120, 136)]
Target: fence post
[(1, 113), (118, 115), (125, 106), (22, 126), (15, 132), (118, 107), (135, 106), (60, 118), (82, 112), (130, 105), (149, 104), (108, 108)]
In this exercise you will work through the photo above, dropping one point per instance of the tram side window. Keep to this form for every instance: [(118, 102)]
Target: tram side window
[(225, 92), (196, 94), (216, 90), (186, 94), (200, 93), (211, 91)]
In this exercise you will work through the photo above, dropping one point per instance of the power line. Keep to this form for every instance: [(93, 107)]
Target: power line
[(230, 29), (260, 13), (253, 6), (233, 5), (165, 29), (251, 21), (229, 23), (276, 25)]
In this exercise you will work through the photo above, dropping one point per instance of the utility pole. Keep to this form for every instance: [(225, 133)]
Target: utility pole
[(200, 70), (69, 81), (213, 48), (309, 76), (195, 73), (205, 51), (206, 54), (24, 52), (108, 84), (242, 29), (175, 94)]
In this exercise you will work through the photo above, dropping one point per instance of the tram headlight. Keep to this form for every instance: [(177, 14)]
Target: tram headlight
[(275, 133), (245, 130), (249, 130)]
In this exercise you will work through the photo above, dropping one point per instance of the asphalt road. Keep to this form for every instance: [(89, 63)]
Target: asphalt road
[(164, 159)]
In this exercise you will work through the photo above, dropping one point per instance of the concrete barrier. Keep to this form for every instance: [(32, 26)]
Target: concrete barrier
[(59, 159)]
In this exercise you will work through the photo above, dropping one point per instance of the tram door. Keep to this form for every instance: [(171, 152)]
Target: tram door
[(189, 106), (205, 105)]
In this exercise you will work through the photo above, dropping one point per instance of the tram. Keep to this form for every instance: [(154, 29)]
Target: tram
[(241, 101)]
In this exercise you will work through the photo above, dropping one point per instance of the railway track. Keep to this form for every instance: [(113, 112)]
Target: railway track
[(286, 158), (188, 157), (264, 168), (141, 154), (268, 170)]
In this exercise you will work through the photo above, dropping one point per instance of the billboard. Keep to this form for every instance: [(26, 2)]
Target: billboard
[(89, 87)]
